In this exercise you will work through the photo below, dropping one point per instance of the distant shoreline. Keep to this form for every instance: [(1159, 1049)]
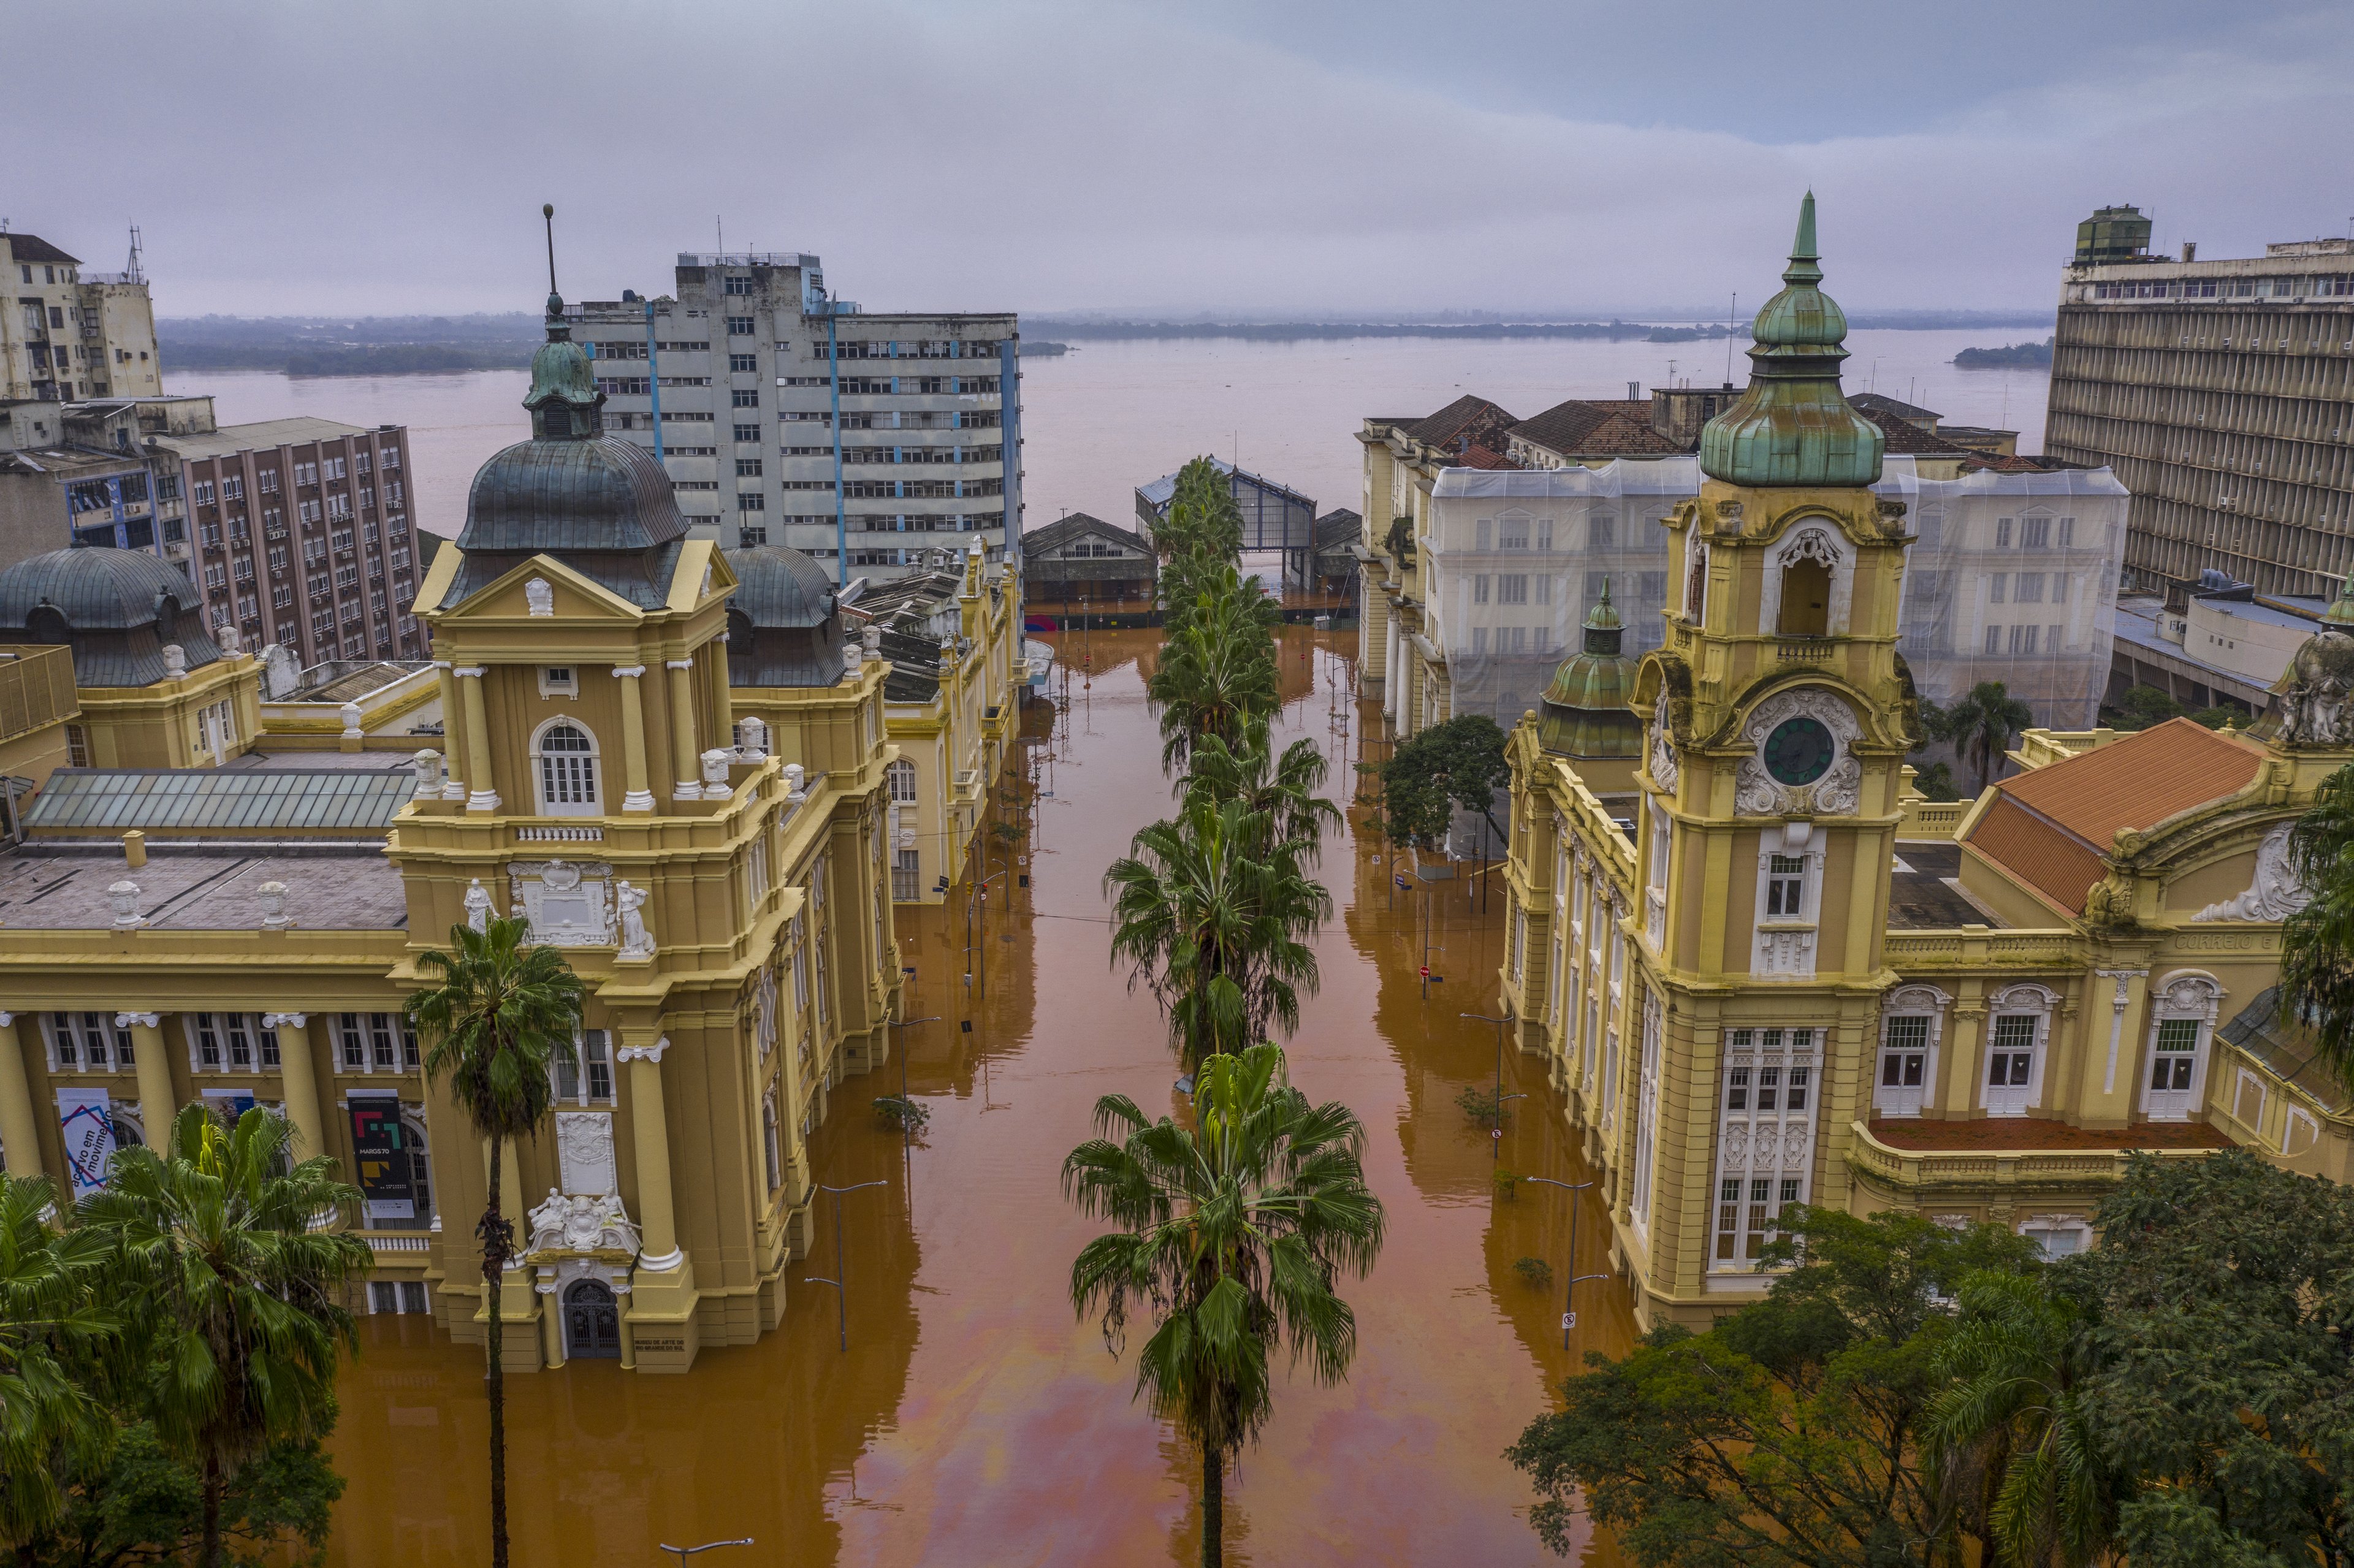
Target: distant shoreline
[(1610, 331)]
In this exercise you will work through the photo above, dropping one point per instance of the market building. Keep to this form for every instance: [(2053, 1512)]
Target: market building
[(1765, 970)]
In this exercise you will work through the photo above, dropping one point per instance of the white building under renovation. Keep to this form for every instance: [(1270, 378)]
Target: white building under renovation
[(2013, 578), (788, 416)]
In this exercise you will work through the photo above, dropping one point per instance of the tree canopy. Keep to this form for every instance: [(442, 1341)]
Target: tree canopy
[(1459, 763)]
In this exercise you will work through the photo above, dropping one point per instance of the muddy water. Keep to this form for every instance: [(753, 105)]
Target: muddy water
[(973, 1419)]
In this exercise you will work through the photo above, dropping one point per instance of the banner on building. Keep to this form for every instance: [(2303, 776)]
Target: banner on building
[(229, 1104), (88, 1117), (380, 1148)]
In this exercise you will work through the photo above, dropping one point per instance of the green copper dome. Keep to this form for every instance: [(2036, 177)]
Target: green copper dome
[(1794, 425), (564, 401), (1585, 712)]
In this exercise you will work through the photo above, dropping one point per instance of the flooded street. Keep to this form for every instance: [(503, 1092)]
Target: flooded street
[(973, 1419)]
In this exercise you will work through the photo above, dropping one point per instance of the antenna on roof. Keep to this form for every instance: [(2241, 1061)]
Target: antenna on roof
[(131, 270)]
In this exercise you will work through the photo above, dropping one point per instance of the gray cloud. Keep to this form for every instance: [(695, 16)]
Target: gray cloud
[(1315, 155)]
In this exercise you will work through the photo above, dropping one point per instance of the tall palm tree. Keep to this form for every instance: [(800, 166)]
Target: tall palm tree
[(2016, 1415), (1230, 1238), (220, 1237), (503, 1015), (2316, 983), (52, 1331), (1282, 788), (1982, 724), (1212, 915), (1217, 670)]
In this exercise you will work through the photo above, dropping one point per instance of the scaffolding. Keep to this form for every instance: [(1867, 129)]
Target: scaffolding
[(2012, 577)]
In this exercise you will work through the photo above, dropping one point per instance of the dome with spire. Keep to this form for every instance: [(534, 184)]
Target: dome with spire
[(1585, 712), (1794, 425), (784, 625), (602, 504)]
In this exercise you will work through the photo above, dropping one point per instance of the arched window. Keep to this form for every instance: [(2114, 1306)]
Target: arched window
[(564, 764), (1805, 599), (901, 777)]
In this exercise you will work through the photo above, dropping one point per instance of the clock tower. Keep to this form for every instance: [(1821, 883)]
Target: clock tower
[(1777, 718)]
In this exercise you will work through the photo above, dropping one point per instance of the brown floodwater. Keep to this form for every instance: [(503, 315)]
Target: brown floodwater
[(974, 1419)]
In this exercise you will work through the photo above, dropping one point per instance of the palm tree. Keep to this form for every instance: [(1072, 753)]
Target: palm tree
[(52, 1332), (1212, 914), (1982, 724), (503, 1015), (221, 1237), (2016, 1416), (1282, 788), (1230, 1237), (2316, 975), (1217, 670)]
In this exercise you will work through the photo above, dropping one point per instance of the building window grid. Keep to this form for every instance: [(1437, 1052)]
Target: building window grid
[(376, 1043), (1765, 1140), (586, 1076), (231, 1043)]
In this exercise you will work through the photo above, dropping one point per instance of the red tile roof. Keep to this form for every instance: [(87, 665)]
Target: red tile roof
[(1906, 438), (1481, 456), (1468, 418), (2052, 828), (1594, 428)]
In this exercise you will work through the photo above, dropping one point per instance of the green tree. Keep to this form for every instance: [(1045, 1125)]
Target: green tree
[(1229, 1239), (2016, 1420), (1982, 725), (503, 1015), (1936, 782), (1213, 914), (1281, 789), (1217, 670), (53, 1332), (217, 1236), (1789, 1435), (2141, 707), (145, 1506), (1457, 763), (2316, 973), (2223, 1289)]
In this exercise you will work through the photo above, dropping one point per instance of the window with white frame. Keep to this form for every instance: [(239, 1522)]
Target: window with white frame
[(376, 1043), (1655, 887), (819, 933), (1912, 1022), (771, 1143), (756, 869), (1765, 1137), (764, 1010), (559, 681), (563, 769), (901, 776), (2058, 1236), (230, 1042), (585, 1077), (2019, 1026), (907, 876), (1647, 1113), (89, 1043), (2183, 1010), (1789, 881)]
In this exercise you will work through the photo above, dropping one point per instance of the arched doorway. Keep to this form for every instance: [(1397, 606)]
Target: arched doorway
[(592, 1322)]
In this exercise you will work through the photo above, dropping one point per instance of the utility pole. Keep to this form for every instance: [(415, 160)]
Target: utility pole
[(1569, 1291), (1495, 1151), (841, 1294)]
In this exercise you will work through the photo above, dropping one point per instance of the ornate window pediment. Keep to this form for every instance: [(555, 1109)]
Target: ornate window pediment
[(569, 904)]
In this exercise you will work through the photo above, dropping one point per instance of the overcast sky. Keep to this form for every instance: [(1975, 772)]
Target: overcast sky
[(1262, 155)]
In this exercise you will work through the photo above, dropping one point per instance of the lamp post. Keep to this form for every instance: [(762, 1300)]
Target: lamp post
[(1497, 1151), (686, 1552), (906, 1127), (841, 1295), (1569, 1291)]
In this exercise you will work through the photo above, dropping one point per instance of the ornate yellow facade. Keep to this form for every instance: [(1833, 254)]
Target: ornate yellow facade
[(711, 856), (1777, 974)]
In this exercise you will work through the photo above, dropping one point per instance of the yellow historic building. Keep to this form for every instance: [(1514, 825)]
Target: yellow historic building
[(671, 759), (1763, 969)]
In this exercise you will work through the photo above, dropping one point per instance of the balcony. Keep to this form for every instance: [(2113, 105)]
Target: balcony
[(2010, 1157)]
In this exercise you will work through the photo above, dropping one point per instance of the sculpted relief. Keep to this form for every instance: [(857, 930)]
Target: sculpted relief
[(1803, 764), (2276, 894)]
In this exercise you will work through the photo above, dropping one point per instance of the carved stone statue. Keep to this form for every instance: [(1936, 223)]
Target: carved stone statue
[(478, 906), (614, 1228), (427, 764), (538, 598), (2276, 894), (2315, 691), (636, 942), (1664, 769), (280, 674), (547, 1223)]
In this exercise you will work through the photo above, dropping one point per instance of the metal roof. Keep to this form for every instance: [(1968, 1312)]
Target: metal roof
[(261, 436), (192, 800)]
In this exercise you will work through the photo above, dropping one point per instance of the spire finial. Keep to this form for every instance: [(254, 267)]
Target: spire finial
[(1804, 257), (555, 299)]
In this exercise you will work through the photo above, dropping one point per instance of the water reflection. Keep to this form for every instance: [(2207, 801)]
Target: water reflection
[(973, 1419)]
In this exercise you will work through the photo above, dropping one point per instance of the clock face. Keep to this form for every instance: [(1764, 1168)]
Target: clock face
[(1798, 751)]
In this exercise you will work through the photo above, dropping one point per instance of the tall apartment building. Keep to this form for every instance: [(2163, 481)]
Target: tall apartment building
[(2222, 394), (754, 370), (298, 533), (67, 334)]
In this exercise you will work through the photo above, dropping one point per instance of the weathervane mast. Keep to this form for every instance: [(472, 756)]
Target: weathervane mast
[(547, 214)]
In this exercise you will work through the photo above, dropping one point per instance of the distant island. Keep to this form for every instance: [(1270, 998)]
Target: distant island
[(2018, 356), (1043, 350)]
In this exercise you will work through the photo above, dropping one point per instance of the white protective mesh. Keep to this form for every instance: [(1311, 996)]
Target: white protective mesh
[(2013, 578)]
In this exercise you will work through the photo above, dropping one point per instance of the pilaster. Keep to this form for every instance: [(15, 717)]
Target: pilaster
[(660, 1317), (20, 1132)]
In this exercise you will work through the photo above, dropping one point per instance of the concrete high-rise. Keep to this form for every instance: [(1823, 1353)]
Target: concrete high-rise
[(67, 334), (750, 365), (2221, 392)]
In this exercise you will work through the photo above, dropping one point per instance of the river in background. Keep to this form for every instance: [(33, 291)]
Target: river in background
[(1106, 416), (974, 1418)]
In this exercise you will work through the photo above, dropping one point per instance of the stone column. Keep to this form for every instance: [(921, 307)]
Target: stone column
[(20, 1132), (723, 700), (300, 1078), (660, 1319), (454, 733), (686, 759), (641, 797), (158, 1101), (483, 796)]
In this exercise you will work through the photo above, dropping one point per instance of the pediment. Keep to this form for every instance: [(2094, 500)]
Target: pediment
[(702, 575), (542, 588)]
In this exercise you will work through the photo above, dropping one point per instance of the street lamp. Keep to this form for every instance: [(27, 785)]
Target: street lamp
[(1569, 1291), (686, 1552), (841, 1295), (906, 1130), (1497, 1151)]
